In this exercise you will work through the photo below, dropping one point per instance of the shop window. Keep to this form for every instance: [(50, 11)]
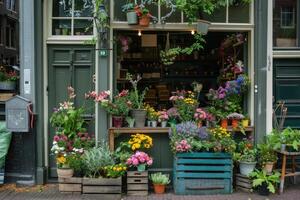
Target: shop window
[(72, 17), (285, 24), (10, 34), (11, 5)]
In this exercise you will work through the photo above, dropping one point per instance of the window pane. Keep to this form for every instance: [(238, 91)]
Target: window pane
[(118, 14), (62, 8), (175, 17), (61, 27), (83, 27), (219, 16), (83, 8), (285, 23), (239, 13)]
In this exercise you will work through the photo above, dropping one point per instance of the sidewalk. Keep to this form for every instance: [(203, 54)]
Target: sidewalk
[(50, 192)]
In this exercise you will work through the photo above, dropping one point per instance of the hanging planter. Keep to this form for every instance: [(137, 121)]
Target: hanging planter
[(202, 26)]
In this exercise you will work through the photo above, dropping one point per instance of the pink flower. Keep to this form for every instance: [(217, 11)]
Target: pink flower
[(150, 162), (56, 138)]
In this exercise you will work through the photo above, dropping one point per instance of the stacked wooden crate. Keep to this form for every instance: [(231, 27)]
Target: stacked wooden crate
[(137, 183), (1, 175), (243, 182), (70, 185), (202, 173)]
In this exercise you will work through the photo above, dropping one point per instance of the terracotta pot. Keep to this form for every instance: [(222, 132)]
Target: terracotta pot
[(65, 172), (245, 123), (235, 123), (117, 121), (144, 20), (159, 189), (269, 167), (224, 123)]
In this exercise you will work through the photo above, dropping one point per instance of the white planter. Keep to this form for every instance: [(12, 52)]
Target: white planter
[(154, 124), (164, 124), (247, 167)]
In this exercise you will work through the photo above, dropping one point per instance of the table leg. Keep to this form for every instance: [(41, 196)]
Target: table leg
[(282, 174), (294, 169), (111, 136)]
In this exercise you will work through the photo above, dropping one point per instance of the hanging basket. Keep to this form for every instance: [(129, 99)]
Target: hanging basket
[(202, 26)]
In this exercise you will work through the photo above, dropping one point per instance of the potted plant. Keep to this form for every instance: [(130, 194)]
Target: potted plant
[(144, 16), (267, 157), (163, 118), (247, 161), (264, 182), (130, 121), (8, 79), (130, 9), (140, 160), (136, 101), (235, 118), (152, 116), (246, 121), (159, 181), (199, 116)]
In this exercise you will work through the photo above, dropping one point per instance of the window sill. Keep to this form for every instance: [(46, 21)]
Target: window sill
[(68, 39)]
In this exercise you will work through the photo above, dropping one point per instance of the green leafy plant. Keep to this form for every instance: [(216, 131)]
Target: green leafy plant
[(288, 136), (135, 96), (261, 177), (114, 171), (160, 179), (266, 153)]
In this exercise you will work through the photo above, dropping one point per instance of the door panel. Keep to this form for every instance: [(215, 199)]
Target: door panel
[(68, 66), (287, 88)]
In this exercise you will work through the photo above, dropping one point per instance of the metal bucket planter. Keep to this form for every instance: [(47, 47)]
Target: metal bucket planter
[(132, 18), (202, 26), (247, 167), (7, 85), (140, 117)]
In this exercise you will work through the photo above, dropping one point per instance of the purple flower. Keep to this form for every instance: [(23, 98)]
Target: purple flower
[(202, 133)]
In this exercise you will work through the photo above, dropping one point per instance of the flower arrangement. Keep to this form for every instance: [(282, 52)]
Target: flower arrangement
[(182, 146), (140, 141), (114, 171), (142, 12), (173, 114), (200, 115), (187, 129), (139, 158), (152, 115), (220, 133), (163, 116), (8, 76)]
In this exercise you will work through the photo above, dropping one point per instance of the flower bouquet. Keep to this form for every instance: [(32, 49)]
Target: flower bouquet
[(140, 160)]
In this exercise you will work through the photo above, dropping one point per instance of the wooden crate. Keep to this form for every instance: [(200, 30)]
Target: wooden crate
[(202, 173), (5, 96), (243, 182), (102, 188), (70, 185), (137, 183), (1, 175)]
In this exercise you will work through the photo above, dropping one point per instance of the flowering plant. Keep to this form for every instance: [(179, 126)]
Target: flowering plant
[(114, 171), (182, 146), (219, 133), (185, 103), (140, 141), (136, 98), (139, 158), (152, 115), (67, 119), (8, 76), (163, 116), (200, 115), (142, 12), (173, 114), (235, 116)]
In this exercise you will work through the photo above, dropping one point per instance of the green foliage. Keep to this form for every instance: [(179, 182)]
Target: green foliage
[(288, 136), (160, 179), (260, 177), (135, 96), (123, 152), (97, 158), (266, 153)]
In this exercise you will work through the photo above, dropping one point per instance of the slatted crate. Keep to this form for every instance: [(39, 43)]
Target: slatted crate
[(102, 188), (202, 173), (243, 183), (70, 185), (1, 175), (137, 183)]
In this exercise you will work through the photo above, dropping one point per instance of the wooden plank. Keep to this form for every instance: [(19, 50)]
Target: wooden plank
[(203, 175), (101, 189), (102, 196), (137, 193), (137, 187), (70, 180), (243, 180), (203, 155), (69, 187), (202, 168), (243, 184), (137, 174), (205, 161), (243, 189), (137, 180), (102, 181)]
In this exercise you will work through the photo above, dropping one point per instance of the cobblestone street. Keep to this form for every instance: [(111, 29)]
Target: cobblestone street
[(50, 192)]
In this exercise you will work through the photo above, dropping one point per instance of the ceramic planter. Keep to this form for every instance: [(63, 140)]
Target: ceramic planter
[(224, 123), (117, 121), (202, 26), (144, 20), (7, 85), (65, 172), (268, 166), (154, 124), (159, 189), (140, 117), (245, 123), (234, 123), (141, 167), (283, 147), (132, 18), (247, 167), (164, 124)]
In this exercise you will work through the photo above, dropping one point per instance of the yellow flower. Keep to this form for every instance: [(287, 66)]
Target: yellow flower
[(61, 160)]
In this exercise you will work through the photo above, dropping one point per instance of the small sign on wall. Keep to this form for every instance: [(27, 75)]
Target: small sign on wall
[(149, 40)]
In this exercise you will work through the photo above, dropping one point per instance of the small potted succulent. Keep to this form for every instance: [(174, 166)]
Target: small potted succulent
[(130, 9), (235, 118), (267, 157), (264, 182), (247, 161), (159, 181)]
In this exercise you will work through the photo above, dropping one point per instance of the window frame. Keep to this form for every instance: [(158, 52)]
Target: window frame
[(286, 13), (11, 7)]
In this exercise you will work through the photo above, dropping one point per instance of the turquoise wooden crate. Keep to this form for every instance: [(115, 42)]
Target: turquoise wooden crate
[(202, 173), (1, 176)]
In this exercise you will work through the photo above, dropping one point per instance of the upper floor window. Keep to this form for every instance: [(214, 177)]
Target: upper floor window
[(10, 33), (285, 23), (11, 5), (72, 17)]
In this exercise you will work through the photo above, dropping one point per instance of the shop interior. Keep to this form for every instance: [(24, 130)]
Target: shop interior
[(140, 53)]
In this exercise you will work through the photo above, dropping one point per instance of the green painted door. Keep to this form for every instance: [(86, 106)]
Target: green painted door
[(287, 88), (69, 66)]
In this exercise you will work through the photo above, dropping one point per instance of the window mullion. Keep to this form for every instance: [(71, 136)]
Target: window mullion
[(72, 19)]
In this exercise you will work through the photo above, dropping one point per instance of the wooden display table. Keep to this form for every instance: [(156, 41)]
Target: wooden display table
[(113, 131)]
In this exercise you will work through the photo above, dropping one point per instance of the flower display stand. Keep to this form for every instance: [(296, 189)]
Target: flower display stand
[(70, 185), (137, 183), (202, 173), (102, 188), (243, 183)]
